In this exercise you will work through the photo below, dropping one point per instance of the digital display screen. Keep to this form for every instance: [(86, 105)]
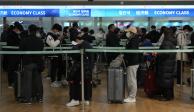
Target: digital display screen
[(97, 11)]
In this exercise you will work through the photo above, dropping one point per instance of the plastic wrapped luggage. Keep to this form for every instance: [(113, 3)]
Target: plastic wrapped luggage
[(115, 92)]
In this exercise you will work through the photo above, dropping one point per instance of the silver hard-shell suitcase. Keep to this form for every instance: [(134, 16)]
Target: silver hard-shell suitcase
[(115, 85)]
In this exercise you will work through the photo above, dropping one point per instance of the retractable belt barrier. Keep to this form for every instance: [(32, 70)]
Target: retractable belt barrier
[(66, 50)]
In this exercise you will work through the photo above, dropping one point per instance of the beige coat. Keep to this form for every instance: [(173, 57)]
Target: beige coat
[(182, 40)]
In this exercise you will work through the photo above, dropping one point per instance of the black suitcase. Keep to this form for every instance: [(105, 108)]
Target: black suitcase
[(115, 85), (18, 85)]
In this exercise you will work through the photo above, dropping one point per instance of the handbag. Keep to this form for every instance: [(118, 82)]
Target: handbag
[(117, 61)]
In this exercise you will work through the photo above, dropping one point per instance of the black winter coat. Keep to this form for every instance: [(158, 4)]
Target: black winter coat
[(13, 60), (112, 40), (32, 43), (4, 35), (73, 33), (75, 73), (132, 58), (166, 65), (88, 38)]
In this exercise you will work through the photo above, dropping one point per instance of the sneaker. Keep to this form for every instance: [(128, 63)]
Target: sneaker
[(72, 103), (130, 100), (10, 87), (87, 102), (28, 102), (48, 77), (40, 100), (55, 84), (64, 82)]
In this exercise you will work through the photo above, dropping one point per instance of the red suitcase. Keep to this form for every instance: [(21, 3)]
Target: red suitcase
[(150, 86)]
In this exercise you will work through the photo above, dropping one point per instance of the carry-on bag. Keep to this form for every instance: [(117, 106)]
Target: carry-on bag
[(115, 85)]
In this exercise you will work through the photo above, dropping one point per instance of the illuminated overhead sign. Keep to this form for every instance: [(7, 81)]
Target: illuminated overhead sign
[(96, 11), (29, 12)]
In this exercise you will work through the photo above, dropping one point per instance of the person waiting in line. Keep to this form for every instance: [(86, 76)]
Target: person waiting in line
[(100, 36), (32, 87), (112, 40), (160, 40), (162, 29), (74, 77), (53, 40), (153, 35), (181, 41), (4, 33), (143, 35), (86, 35), (92, 34), (42, 33), (165, 67), (13, 39), (132, 61), (74, 31), (66, 34)]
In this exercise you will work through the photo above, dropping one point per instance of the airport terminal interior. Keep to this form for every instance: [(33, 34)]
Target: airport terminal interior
[(56, 96)]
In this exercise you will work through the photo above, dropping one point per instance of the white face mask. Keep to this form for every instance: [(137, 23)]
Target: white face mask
[(57, 33), (38, 34), (128, 34), (74, 43)]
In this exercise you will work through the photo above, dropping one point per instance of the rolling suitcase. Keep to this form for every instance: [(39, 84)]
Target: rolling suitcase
[(150, 87), (18, 84), (115, 92)]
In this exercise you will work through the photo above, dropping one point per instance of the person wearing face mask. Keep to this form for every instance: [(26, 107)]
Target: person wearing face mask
[(53, 40), (33, 66), (132, 61), (74, 77), (13, 39)]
